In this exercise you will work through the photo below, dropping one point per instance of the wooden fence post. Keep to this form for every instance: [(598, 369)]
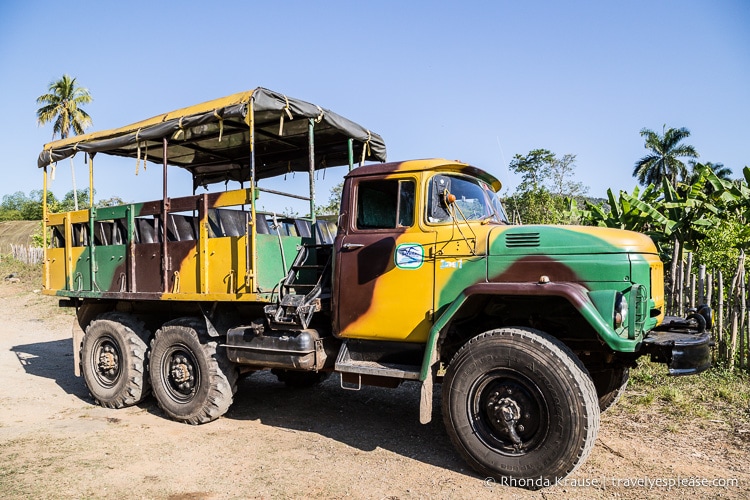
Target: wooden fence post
[(737, 301), (692, 290), (680, 288), (720, 322)]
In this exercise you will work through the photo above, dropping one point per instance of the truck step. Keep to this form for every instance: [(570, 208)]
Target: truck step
[(345, 363), (293, 312)]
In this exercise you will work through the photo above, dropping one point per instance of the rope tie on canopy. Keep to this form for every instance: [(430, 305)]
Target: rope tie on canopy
[(180, 132), (366, 148), (281, 118), (320, 116), (221, 124), (137, 152), (288, 169)]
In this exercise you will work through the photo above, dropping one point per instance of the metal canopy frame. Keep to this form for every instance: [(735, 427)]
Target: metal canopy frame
[(243, 137)]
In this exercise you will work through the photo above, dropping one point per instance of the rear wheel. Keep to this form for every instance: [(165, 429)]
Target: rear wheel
[(517, 403), (192, 379), (113, 360)]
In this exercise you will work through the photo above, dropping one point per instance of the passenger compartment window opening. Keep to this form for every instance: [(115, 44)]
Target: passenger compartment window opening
[(385, 204)]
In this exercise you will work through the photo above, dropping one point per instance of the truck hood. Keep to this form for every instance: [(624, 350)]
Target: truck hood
[(566, 240)]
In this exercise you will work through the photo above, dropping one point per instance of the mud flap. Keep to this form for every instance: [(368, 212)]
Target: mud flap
[(425, 401), (77, 339), (425, 397)]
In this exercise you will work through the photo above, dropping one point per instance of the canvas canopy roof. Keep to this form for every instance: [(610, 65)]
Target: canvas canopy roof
[(212, 139)]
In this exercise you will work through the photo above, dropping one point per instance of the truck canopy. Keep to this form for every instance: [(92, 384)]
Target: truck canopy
[(213, 139)]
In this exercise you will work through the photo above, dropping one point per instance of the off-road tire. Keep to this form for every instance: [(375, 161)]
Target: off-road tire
[(610, 385), (527, 373), (113, 360), (192, 379)]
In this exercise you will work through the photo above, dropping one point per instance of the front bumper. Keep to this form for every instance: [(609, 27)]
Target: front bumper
[(681, 348)]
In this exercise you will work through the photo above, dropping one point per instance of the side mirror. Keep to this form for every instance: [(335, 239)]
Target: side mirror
[(448, 198)]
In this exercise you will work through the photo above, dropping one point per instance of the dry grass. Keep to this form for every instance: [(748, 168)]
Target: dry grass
[(718, 395)]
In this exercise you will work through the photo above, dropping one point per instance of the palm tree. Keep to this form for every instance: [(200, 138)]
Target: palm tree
[(722, 172), (62, 106), (663, 160)]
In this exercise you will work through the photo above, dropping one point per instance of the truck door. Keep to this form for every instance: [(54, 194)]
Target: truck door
[(384, 275)]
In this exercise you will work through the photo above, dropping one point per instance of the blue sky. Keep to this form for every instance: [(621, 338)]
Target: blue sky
[(476, 81)]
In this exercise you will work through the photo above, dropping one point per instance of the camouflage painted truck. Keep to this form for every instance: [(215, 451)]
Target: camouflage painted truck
[(531, 330)]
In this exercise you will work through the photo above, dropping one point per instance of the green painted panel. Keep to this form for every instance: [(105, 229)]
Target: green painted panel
[(81, 279), (271, 268), (110, 268)]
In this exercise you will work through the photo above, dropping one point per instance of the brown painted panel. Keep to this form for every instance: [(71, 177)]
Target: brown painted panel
[(148, 267), (532, 267), (358, 270)]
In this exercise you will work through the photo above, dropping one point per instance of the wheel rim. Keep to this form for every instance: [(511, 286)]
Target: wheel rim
[(106, 361), (180, 373), (508, 412)]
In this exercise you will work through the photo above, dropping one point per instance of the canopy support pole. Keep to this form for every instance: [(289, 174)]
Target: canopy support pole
[(311, 142), (44, 229), (251, 265), (164, 213), (91, 180), (350, 149)]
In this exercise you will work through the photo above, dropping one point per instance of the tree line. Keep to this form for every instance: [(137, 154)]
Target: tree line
[(20, 206)]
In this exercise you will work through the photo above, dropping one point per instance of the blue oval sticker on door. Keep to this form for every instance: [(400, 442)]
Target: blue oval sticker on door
[(409, 256)]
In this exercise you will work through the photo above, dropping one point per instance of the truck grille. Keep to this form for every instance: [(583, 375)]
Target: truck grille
[(520, 240)]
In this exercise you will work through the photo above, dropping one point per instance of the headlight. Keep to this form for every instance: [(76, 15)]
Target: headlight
[(621, 310)]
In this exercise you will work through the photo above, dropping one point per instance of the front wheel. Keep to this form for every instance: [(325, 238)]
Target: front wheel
[(192, 379), (517, 403)]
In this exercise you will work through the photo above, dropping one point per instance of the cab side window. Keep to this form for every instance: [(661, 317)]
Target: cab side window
[(385, 204)]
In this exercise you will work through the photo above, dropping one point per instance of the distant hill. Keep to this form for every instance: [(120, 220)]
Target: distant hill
[(16, 232)]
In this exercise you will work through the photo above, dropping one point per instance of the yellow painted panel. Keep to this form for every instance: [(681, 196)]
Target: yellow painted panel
[(187, 279), (226, 264), (657, 283), (55, 219), (233, 198), (79, 216), (56, 268)]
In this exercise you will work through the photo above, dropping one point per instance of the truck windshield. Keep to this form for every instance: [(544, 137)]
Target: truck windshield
[(497, 205), (474, 199)]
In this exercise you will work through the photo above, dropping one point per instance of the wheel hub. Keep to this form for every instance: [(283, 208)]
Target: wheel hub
[(181, 372), (506, 412), (108, 362)]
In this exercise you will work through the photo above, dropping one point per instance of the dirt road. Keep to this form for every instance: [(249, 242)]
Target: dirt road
[(277, 442)]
